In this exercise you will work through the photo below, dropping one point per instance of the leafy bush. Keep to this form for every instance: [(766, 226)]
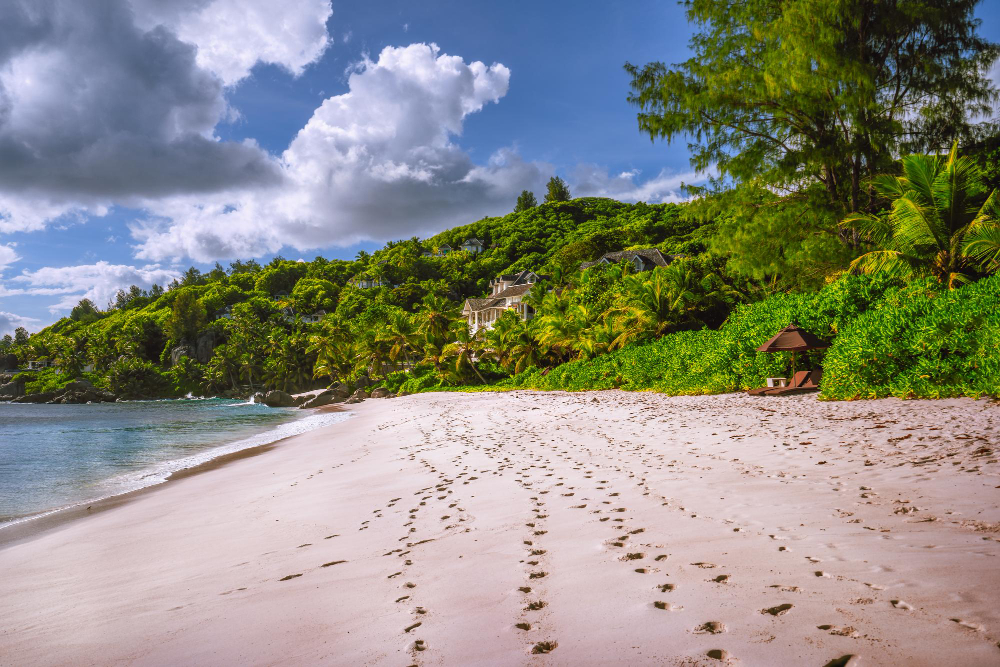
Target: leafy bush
[(888, 340), (133, 378), (920, 341)]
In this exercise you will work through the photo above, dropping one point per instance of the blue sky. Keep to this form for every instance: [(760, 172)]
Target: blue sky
[(555, 104)]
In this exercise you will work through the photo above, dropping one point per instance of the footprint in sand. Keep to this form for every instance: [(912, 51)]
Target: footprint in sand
[(667, 588), (704, 566), (721, 579), (544, 647), (718, 654), (711, 628), (786, 589), (969, 625), (778, 610), (840, 631), (666, 606), (849, 660), (899, 604), (290, 576)]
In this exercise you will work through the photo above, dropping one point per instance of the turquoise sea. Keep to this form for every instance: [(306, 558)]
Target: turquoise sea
[(57, 456)]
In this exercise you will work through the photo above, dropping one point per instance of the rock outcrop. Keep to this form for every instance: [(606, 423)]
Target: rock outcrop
[(358, 396), (327, 397), (381, 392), (11, 388), (8, 362), (204, 347), (178, 352), (77, 392), (278, 399)]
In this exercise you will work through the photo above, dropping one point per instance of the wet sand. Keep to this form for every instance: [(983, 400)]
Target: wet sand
[(545, 528)]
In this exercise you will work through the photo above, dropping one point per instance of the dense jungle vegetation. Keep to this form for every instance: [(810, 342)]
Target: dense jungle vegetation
[(855, 154)]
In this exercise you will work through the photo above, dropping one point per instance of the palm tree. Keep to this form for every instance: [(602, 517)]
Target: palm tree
[(526, 351), (655, 302), (463, 350), (334, 350), (943, 223), (435, 318), (401, 335)]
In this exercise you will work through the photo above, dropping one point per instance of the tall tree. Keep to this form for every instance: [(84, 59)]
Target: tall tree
[(187, 317), (783, 94), (556, 190), (525, 201)]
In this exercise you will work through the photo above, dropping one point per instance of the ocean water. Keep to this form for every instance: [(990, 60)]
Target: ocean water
[(57, 456)]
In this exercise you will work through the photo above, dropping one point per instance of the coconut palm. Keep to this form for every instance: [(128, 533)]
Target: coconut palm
[(943, 222), (401, 335), (656, 301), (334, 350), (463, 350), (435, 318)]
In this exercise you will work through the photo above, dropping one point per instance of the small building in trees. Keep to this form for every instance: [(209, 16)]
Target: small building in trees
[(643, 259), (473, 245), (506, 293)]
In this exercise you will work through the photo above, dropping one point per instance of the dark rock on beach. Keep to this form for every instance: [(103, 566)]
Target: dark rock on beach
[(11, 390), (278, 399)]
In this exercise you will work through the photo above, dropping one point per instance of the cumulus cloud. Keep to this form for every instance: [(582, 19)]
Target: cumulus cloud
[(98, 282), (594, 181), (11, 321), (379, 161), (7, 256), (234, 35), (96, 109)]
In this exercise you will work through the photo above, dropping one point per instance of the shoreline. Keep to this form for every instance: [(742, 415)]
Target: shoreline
[(27, 528)]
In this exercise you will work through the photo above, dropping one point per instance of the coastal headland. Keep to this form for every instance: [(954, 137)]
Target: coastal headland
[(545, 528)]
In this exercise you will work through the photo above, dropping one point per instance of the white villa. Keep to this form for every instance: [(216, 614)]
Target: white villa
[(506, 293), (643, 259), (473, 245), (363, 281)]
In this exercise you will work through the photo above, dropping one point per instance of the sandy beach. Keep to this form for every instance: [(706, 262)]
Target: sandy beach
[(545, 528)]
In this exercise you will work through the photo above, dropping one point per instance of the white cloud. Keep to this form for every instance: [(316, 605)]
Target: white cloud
[(589, 180), (94, 110), (98, 282), (11, 321), (376, 162), (234, 35), (7, 256)]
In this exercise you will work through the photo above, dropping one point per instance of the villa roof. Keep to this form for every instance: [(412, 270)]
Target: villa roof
[(478, 304), (513, 290), (651, 255), (472, 240), (498, 300)]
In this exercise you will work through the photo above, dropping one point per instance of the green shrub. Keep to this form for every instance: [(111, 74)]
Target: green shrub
[(132, 378), (888, 340)]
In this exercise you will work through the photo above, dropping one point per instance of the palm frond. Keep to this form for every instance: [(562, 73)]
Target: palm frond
[(919, 174), (871, 228), (889, 262), (916, 226)]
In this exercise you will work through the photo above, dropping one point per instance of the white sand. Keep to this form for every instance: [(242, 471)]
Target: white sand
[(875, 522)]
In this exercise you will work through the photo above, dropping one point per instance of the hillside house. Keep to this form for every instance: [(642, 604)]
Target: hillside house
[(314, 318), (364, 281), (474, 246), (506, 293), (643, 259)]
